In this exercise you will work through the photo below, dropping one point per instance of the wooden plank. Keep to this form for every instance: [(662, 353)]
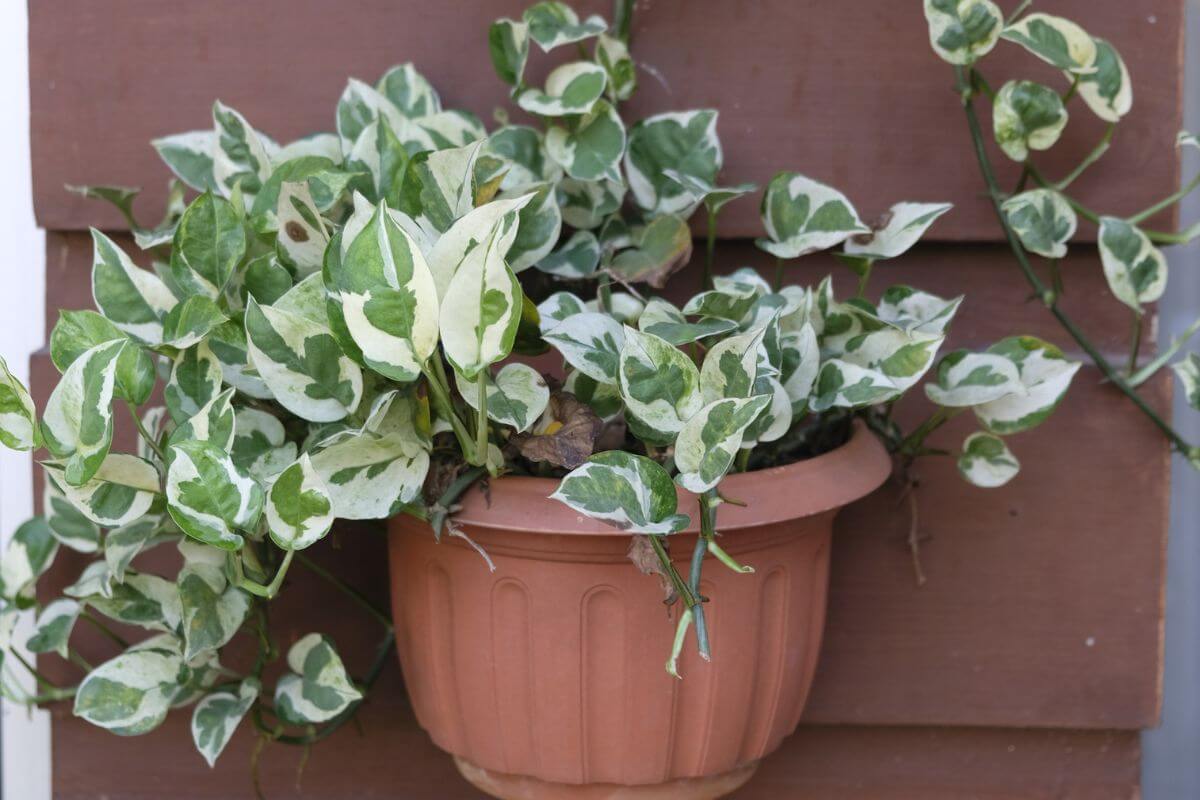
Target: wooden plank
[(847, 92)]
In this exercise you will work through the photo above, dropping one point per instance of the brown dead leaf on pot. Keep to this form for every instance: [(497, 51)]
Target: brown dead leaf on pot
[(565, 435)]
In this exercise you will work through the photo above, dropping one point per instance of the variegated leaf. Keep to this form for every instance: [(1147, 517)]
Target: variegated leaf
[(67, 523), (213, 423), (602, 398), (659, 384), (801, 364), (92, 582), (30, 553), (318, 688), (898, 230), (914, 311), (76, 332), (553, 24), (802, 216), (713, 197), (1108, 91), (195, 380), (964, 378), (683, 141), (539, 223), (622, 306), (190, 157), (217, 716), (448, 129), (577, 257), (211, 607), (708, 442), (629, 492), (53, 628), (240, 157), (369, 476), (731, 366), (613, 55), (322, 145), (667, 322), (446, 184), (591, 343), (586, 204), (1136, 270), (228, 344), (190, 322), (302, 233), (122, 545), (1055, 40), (516, 152), (962, 31), (1043, 220), (775, 420), (729, 302), (209, 497), (409, 91), (77, 423), (299, 510), (260, 443), (130, 695), (129, 297), (358, 107), (986, 461), (1188, 372), (388, 298), (300, 362), (147, 601), (1046, 375), (481, 309), (903, 357), (556, 308), (571, 88), (592, 148), (123, 489), (516, 396), (508, 44), (661, 248), (841, 384), (208, 246), (473, 230), (18, 416), (1027, 116)]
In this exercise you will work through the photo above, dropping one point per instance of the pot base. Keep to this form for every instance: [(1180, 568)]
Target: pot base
[(525, 787)]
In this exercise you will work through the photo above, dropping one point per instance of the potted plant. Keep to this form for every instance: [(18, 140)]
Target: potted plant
[(335, 328)]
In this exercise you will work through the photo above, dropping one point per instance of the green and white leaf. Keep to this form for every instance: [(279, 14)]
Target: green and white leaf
[(229, 345), (708, 442), (558, 307), (303, 235), (122, 545), (613, 55), (965, 379), (586, 204), (77, 421), (370, 476), (661, 248), (1136, 270), (122, 490), (213, 423), (803, 216), (318, 688), (539, 224), (1046, 374), (842, 384), (553, 24), (30, 553), (900, 228), (190, 157), (498, 219), (508, 44), (1043, 220), (1027, 116), (1108, 91), (217, 716), (986, 461), (194, 381), (410, 91), (713, 197), (299, 510), (590, 342), (962, 31), (577, 257), (131, 298), (212, 609), (67, 523), (209, 497), (240, 158), (481, 309), (731, 366), (592, 148), (191, 321), (903, 357), (516, 396), (145, 600), (1055, 40), (684, 142), (53, 628), (358, 107), (801, 364), (1188, 371), (914, 311), (18, 416), (623, 307), (667, 322), (208, 246), (629, 492), (130, 695), (659, 384), (571, 88), (603, 398)]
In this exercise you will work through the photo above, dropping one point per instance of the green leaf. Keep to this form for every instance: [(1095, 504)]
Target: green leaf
[(1046, 375), (591, 149), (629, 492), (602, 398), (553, 24), (570, 89), (147, 601), (962, 31), (77, 422), (190, 157), (209, 498), (539, 222), (802, 216), (1108, 91), (240, 159), (130, 695), (660, 249), (586, 204), (208, 246), (121, 197), (508, 43), (123, 489), (318, 688), (131, 298), (667, 322), (899, 229), (613, 55), (1188, 372), (67, 523), (659, 384), (708, 442), (1043, 220), (516, 396), (212, 608), (518, 154), (986, 461), (76, 332), (590, 342), (53, 628), (964, 379), (195, 380), (30, 553), (577, 257), (191, 321), (1027, 116), (299, 510), (18, 416), (1055, 40), (682, 141), (217, 716), (1136, 270)]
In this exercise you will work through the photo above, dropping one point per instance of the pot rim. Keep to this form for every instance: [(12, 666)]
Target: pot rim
[(802, 489)]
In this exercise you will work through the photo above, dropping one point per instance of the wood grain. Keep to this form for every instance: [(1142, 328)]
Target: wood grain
[(849, 93)]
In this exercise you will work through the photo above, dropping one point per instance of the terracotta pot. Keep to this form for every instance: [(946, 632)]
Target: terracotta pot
[(545, 679)]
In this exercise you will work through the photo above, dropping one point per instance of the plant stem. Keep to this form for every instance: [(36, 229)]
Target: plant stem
[(778, 274), (1136, 344), (112, 635), (1070, 93), (271, 589), (1161, 360), (708, 532), (913, 442), (141, 429), (345, 588), (742, 459), (677, 582), (865, 276), (440, 389), (1017, 12), (710, 249), (623, 18), (1091, 158), (481, 421), (1048, 297), (604, 294), (1166, 202), (694, 584)]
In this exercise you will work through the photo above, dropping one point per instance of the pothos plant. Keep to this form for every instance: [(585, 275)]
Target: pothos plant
[(1039, 215), (328, 330)]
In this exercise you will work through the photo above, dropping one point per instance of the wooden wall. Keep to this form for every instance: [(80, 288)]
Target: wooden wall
[(1026, 665)]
